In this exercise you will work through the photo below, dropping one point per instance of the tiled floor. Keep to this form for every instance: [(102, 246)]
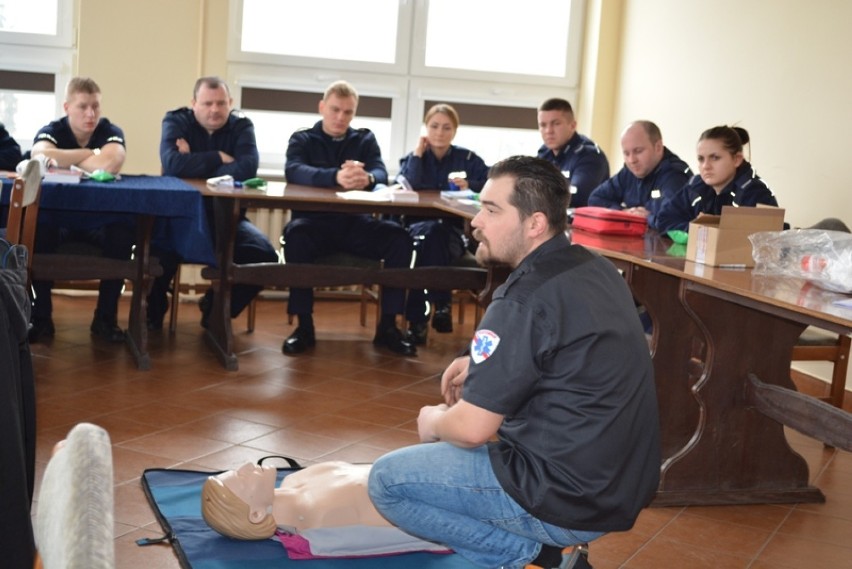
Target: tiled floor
[(348, 401)]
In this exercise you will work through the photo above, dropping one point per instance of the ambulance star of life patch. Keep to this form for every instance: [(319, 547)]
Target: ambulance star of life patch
[(483, 345)]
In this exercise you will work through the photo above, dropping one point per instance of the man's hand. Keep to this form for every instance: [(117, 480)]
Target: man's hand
[(427, 422), (226, 158), (182, 146), (638, 211), (453, 379), (352, 176), (461, 183)]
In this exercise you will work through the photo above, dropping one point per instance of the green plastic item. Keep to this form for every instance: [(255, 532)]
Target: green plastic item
[(102, 176), (677, 250), (254, 183), (678, 236)]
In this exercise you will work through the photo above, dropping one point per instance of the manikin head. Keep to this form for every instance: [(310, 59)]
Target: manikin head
[(237, 503)]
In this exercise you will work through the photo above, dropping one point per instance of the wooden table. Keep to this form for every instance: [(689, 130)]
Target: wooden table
[(279, 195), (167, 213), (715, 331)]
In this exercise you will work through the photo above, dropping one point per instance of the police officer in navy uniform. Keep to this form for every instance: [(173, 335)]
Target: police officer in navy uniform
[(438, 242), (334, 155), (651, 174), (206, 140), (724, 177), (577, 156), (84, 139), (10, 151)]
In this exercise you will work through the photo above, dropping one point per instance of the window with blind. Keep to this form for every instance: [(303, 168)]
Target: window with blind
[(35, 54), (494, 60)]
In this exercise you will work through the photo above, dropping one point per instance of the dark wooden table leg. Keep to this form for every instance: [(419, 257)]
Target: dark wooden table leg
[(137, 331), (738, 455), (673, 348), (219, 335)]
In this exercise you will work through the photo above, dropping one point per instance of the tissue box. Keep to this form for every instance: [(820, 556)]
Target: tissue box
[(722, 240)]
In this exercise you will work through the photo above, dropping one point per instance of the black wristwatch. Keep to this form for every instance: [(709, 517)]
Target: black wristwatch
[(372, 180)]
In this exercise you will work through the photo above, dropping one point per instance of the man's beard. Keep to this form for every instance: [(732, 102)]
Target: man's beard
[(486, 258)]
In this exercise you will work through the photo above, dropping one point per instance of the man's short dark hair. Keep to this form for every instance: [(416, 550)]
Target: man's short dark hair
[(539, 186), (556, 104), (211, 82)]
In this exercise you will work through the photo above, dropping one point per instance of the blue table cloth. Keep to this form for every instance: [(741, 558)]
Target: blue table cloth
[(180, 225)]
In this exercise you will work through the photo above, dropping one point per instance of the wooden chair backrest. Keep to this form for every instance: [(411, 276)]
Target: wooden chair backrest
[(23, 214)]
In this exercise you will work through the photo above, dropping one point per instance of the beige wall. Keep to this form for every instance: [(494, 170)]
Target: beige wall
[(778, 68), (146, 57)]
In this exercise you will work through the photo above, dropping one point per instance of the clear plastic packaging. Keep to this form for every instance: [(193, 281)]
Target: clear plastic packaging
[(817, 255)]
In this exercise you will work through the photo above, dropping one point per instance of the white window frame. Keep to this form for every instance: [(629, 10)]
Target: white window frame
[(312, 81), (408, 82), (400, 65), (64, 37), (573, 58), (40, 53)]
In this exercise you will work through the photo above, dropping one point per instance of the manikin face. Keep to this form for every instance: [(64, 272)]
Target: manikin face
[(641, 155), (717, 165), (212, 107), (254, 485), (337, 112), (556, 128), (84, 112), (440, 131), (498, 226)]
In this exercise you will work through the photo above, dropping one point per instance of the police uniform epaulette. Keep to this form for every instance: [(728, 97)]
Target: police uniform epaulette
[(587, 145), (747, 177), (695, 179)]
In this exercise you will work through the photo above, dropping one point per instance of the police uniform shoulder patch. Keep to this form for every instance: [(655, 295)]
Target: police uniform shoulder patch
[(483, 345), (46, 136)]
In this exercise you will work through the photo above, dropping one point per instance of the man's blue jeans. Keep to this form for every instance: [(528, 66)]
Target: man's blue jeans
[(450, 495)]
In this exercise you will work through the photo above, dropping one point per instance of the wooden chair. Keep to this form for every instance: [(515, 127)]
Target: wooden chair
[(366, 294), (464, 296), (23, 208), (819, 345), (73, 262), (251, 310)]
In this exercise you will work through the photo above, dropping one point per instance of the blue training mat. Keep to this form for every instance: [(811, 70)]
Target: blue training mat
[(175, 496)]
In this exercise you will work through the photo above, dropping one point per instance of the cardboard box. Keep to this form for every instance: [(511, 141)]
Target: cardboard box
[(722, 240)]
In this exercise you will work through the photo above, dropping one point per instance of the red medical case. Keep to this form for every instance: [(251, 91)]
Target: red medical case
[(608, 221)]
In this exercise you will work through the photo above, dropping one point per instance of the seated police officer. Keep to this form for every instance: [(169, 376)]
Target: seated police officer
[(84, 139), (577, 156), (205, 140), (651, 174), (334, 155)]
